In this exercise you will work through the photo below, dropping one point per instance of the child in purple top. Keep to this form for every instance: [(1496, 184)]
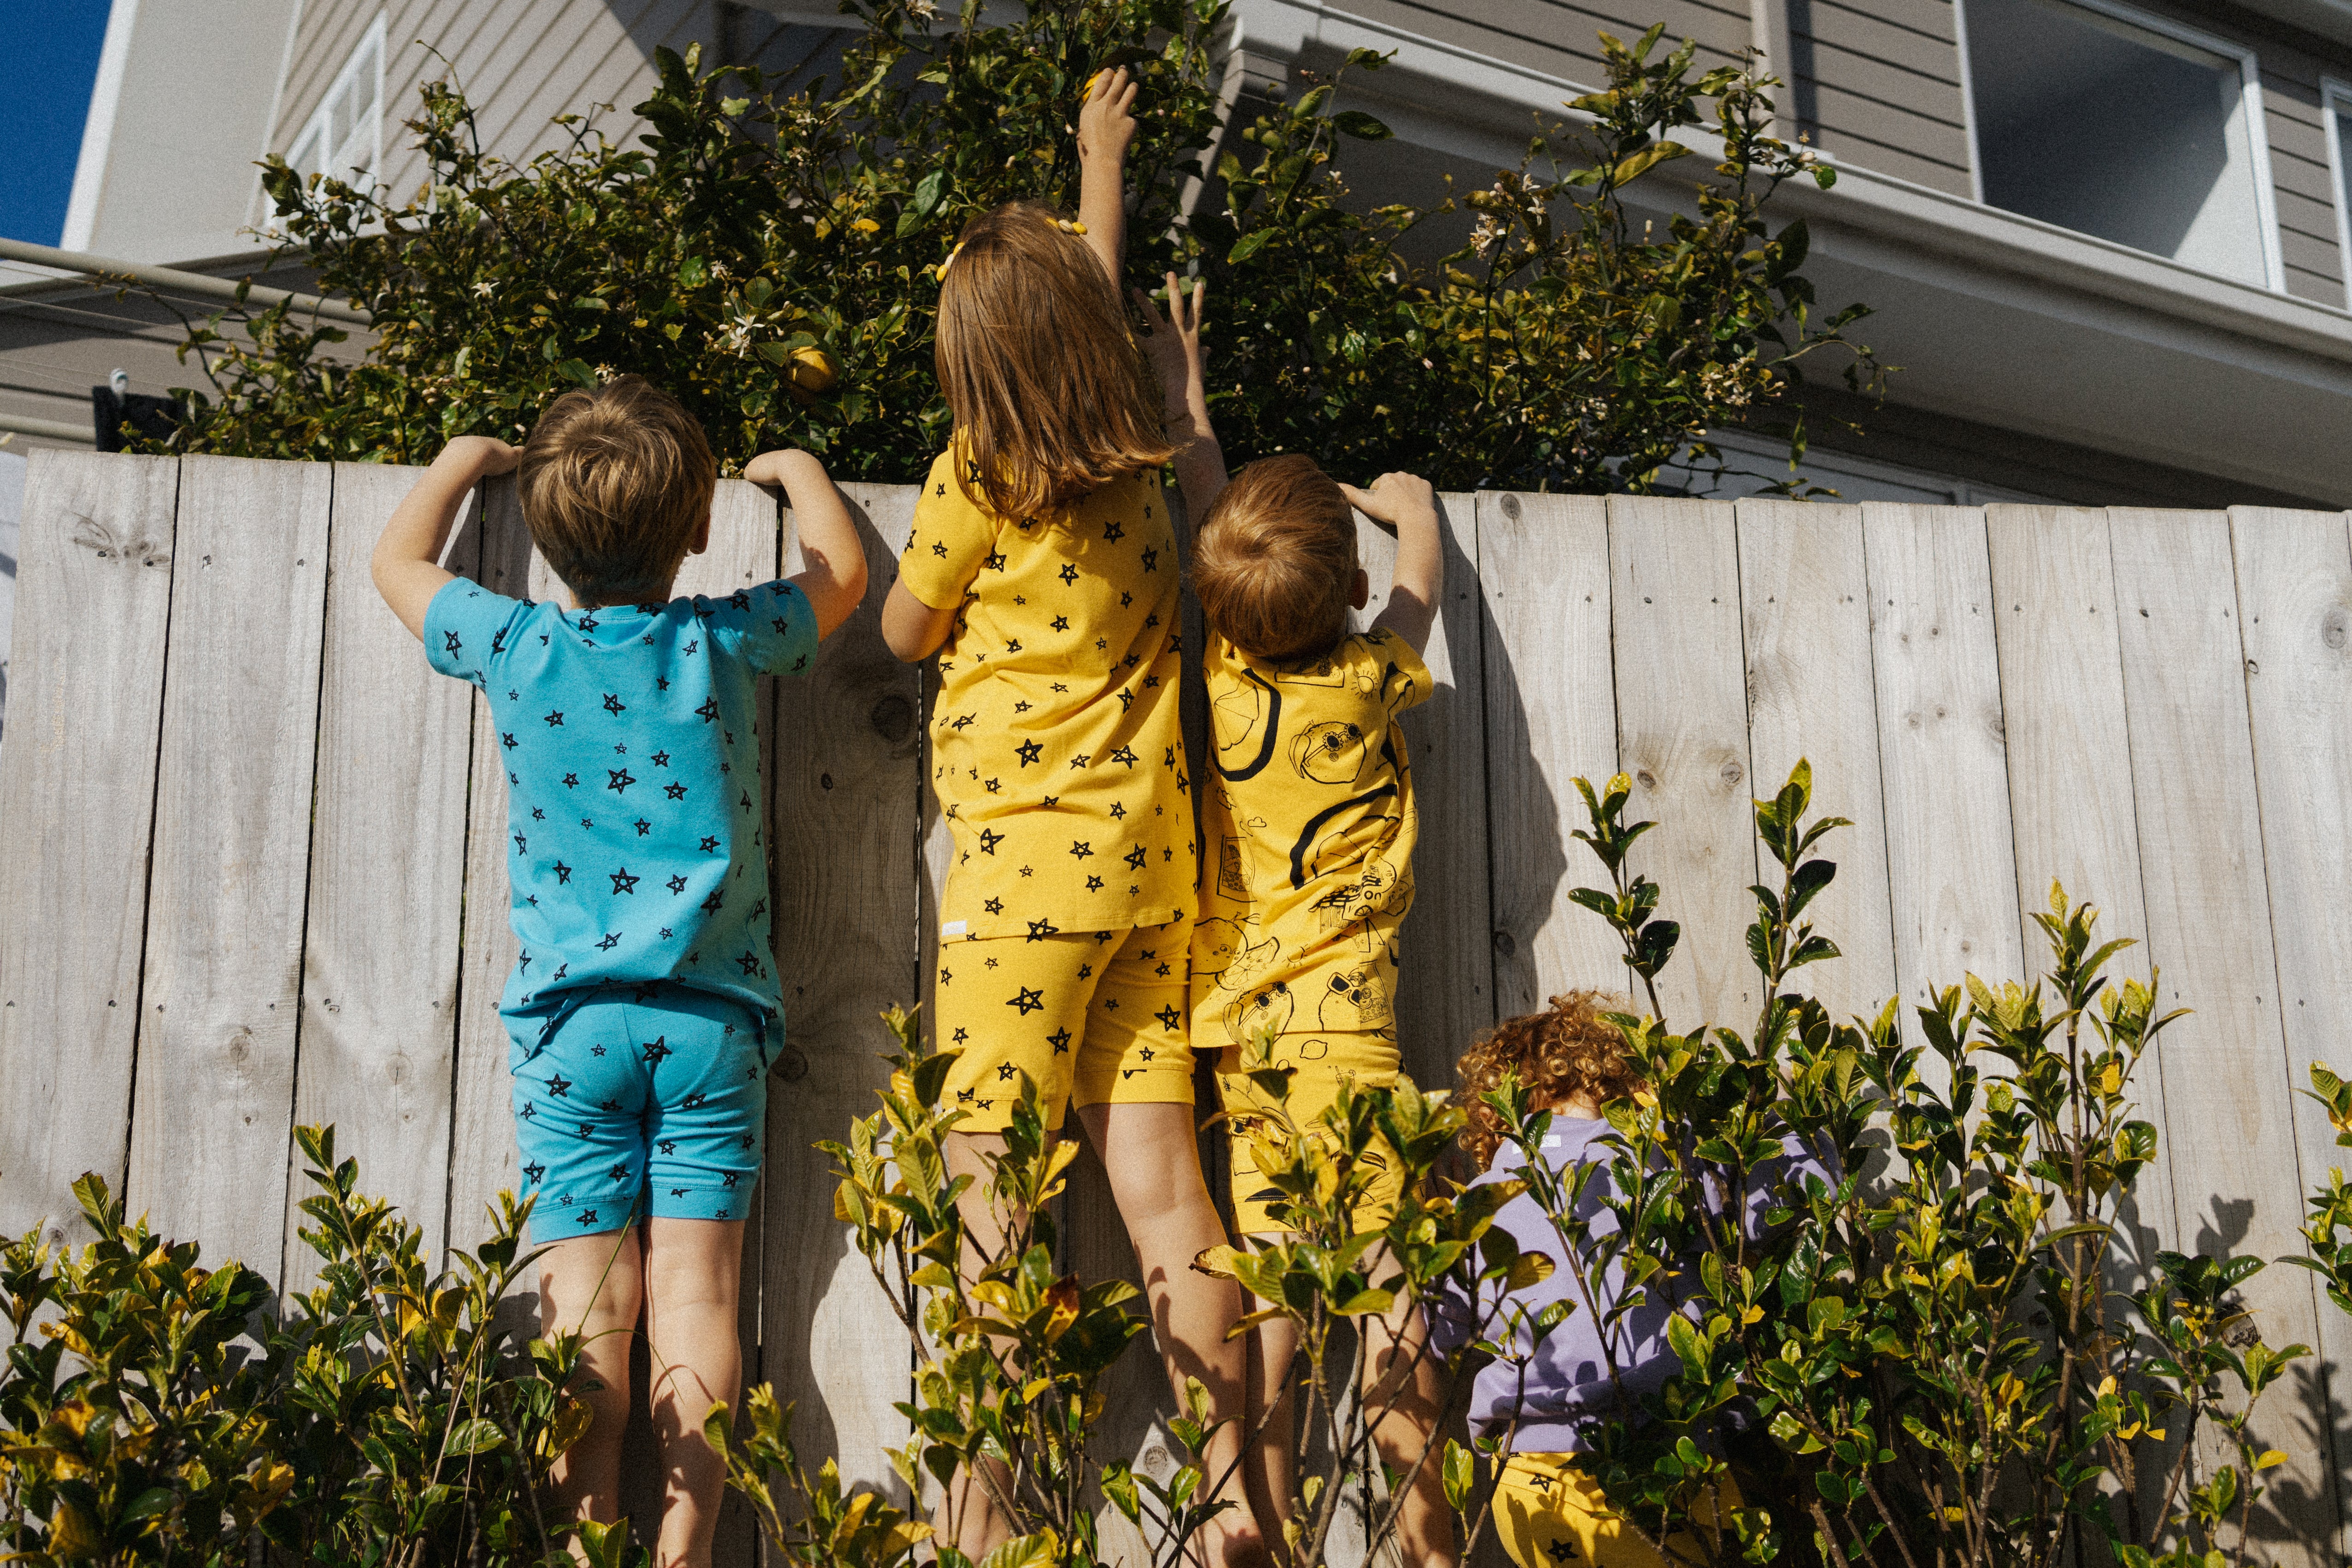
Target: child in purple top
[(1540, 1399)]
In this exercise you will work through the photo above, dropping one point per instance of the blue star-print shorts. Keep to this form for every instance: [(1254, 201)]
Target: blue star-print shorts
[(641, 1100)]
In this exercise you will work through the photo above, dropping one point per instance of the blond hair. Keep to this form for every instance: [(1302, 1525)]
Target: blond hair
[(1051, 396), (1569, 1053), (614, 484), (1274, 563)]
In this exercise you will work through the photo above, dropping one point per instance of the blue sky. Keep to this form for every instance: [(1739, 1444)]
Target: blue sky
[(48, 58)]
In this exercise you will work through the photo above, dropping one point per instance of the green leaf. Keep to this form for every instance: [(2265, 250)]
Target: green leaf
[(1249, 246), (1363, 127)]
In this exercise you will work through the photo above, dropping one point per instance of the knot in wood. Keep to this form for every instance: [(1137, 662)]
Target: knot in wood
[(893, 719), (1505, 944), (2332, 627), (1511, 508)]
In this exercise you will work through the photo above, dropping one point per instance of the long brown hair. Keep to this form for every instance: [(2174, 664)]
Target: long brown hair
[(1557, 1055), (1051, 395)]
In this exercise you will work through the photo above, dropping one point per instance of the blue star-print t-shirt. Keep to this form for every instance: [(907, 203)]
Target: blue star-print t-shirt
[(634, 847)]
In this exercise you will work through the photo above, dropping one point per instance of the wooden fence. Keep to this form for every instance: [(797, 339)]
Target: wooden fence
[(250, 868)]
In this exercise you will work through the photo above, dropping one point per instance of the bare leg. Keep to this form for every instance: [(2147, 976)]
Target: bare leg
[(1151, 1155), (967, 1516), (592, 1285), (1272, 1466), (693, 1270)]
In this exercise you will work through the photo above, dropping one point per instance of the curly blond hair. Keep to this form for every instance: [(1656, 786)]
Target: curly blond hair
[(1567, 1051)]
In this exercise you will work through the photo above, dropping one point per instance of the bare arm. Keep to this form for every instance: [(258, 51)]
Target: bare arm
[(1406, 503), (912, 628), (406, 564), (1106, 131), (1174, 349), (832, 557)]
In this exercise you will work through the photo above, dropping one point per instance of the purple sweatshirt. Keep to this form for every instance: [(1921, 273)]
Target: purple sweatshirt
[(1565, 1384)]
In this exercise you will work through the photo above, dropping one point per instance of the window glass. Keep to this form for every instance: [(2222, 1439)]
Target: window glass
[(2116, 130)]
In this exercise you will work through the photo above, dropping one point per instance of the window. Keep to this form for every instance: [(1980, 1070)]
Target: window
[(2336, 113), (2123, 127), (345, 138)]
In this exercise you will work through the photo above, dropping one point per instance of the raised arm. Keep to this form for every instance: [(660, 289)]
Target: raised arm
[(406, 564), (1177, 359), (1106, 131), (832, 557), (1406, 503)]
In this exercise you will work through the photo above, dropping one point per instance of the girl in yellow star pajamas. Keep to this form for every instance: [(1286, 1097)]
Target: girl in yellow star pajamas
[(1043, 568)]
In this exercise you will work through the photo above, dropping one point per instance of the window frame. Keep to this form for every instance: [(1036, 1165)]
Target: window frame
[(2334, 90), (2249, 110), (368, 52)]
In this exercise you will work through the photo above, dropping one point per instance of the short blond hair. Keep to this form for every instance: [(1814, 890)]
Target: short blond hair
[(1050, 393), (614, 483), (1274, 563)]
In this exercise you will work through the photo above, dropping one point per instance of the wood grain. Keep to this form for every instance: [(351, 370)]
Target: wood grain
[(1813, 695), (1445, 991), (2294, 598), (2229, 1105), (844, 814), (93, 600), (1552, 718), (387, 880), (1682, 733), (1944, 765), (233, 812)]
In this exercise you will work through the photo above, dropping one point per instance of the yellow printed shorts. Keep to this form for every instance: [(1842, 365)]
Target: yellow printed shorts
[(1551, 1514), (1322, 1059), (1094, 1019)]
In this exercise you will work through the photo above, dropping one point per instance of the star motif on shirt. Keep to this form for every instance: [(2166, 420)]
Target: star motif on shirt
[(661, 758), (1048, 802), (538, 815), (1029, 752), (572, 781), (1028, 1001), (675, 791), (709, 711), (1118, 811), (1081, 760), (1069, 572), (995, 785), (620, 778), (661, 682), (563, 874), (665, 933), (555, 719), (623, 882), (677, 885), (523, 846), (1024, 871), (558, 1086), (533, 1171), (450, 643), (1061, 622), (962, 721), (717, 900), (507, 737), (1060, 687), (530, 1113), (620, 748), (1123, 755), (994, 906), (612, 939), (1125, 600), (989, 839), (1080, 849), (708, 844), (1151, 560), (1041, 929), (995, 561), (1113, 532), (1102, 645), (1004, 1070), (1094, 884), (1134, 857), (643, 826)]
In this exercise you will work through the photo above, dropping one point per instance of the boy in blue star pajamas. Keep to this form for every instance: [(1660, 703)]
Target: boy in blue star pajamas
[(644, 1008)]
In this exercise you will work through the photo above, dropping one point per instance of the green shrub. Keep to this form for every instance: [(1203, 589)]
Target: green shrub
[(770, 231)]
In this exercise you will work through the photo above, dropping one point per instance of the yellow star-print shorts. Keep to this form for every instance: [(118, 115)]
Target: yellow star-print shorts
[(1322, 1059), (1551, 1514), (1092, 1018)]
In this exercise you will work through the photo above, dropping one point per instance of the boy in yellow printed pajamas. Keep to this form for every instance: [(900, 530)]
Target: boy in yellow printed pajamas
[(1308, 831)]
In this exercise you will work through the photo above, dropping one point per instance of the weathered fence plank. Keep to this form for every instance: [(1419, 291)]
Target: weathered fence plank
[(1951, 872), (94, 596), (1682, 727), (1811, 693), (844, 797), (1446, 992), (2228, 1106), (482, 1159), (1551, 718), (232, 855), (387, 878), (2295, 601)]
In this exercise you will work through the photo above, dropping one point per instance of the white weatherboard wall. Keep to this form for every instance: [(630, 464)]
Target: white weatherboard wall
[(244, 885)]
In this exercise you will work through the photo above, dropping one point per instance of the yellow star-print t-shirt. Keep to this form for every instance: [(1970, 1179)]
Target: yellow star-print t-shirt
[(1056, 748), (1309, 828)]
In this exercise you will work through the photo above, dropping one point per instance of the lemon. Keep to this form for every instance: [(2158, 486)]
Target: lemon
[(813, 370)]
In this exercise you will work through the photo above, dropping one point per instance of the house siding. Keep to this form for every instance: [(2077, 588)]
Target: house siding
[(1880, 89), (521, 62), (1563, 40)]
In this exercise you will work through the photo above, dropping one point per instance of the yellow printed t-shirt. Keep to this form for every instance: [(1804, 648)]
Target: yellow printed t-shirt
[(1056, 748), (1309, 831)]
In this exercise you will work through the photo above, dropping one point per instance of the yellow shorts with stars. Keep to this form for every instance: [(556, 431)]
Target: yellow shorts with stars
[(1321, 1060), (1093, 1018), (1551, 1514)]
